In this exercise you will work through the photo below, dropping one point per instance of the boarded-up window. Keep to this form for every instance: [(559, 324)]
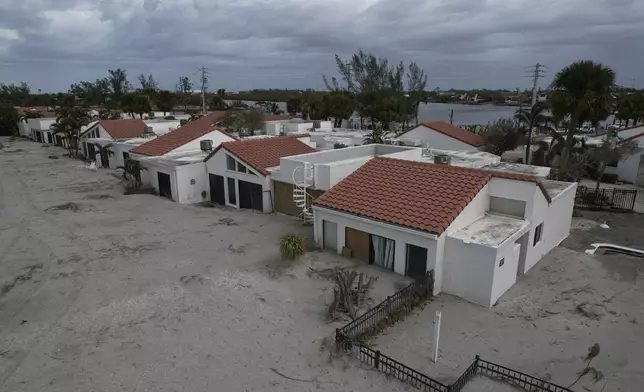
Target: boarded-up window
[(505, 206), (358, 242)]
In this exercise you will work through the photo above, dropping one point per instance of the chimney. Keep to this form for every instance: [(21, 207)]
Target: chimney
[(148, 132), (206, 145), (442, 159)]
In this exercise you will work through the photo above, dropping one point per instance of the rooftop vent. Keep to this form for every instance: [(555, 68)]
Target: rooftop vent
[(206, 145), (148, 132), (442, 159)]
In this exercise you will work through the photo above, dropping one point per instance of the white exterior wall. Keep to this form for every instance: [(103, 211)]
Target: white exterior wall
[(119, 149), (162, 127), (272, 128), (217, 165), (400, 235), (150, 177), (216, 137), (505, 276), (469, 271), (627, 169), (297, 127), (434, 139), (188, 192)]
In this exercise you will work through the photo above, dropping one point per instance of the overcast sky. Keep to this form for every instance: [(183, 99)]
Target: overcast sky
[(290, 43)]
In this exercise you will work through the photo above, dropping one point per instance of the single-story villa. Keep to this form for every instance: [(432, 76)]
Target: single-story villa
[(238, 171), (441, 135), (476, 229), (104, 132)]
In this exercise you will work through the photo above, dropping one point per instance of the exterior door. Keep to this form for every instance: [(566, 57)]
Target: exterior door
[(359, 243), (640, 172), (105, 160), (416, 261), (49, 138), (217, 191), (91, 152), (38, 137), (165, 187), (250, 196), (330, 235)]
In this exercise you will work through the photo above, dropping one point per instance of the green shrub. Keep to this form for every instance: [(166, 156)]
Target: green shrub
[(292, 246)]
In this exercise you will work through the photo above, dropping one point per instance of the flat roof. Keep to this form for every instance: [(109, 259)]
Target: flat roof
[(539, 171), (554, 188), (177, 159), (491, 230)]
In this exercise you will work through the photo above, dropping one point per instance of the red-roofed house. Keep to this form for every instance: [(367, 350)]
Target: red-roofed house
[(37, 128), (239, 171), (443, 136), (476, 229), (108, 131)]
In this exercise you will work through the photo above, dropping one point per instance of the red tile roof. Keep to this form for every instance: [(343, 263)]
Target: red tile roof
[(122, 129), (260, 154), (180, 136), (454, 132), (416, 195), (43, 110)]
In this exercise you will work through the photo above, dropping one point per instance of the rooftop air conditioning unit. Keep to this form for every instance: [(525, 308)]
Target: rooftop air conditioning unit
[(206, 145), (442, 159)]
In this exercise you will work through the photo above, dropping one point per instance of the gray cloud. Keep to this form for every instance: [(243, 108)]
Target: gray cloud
[(290, 43)]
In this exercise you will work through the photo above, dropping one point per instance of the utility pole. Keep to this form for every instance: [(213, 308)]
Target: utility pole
[(349, 84), (204, 86), (536, 74), (451, 116)]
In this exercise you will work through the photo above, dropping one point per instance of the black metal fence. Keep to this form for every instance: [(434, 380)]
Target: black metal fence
[(613, 199), (348, 338), (403, 300)]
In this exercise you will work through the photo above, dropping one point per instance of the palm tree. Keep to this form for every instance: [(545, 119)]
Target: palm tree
[(376, 136), (581, 91), (245, 121), (30, 114), (104, 152), (132, 172), (69, 122), (532, 119)]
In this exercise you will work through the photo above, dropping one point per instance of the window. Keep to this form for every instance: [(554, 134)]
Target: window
[(230, 162), (241, 168), (501, 262), (537, 234), (613, 163), (232, 192), (126, 156), (251, 172)]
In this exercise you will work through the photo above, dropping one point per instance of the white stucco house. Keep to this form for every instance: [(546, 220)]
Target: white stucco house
[(441, 135), (477, 229), (38, 129), (105, 132), (631, 168), (174, 161), (238, 171)]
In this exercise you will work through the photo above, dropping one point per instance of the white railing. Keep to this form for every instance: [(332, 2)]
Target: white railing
[(300, 195)]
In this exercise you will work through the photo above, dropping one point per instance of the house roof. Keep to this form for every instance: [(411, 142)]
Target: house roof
[(260, 154), (417, 195), (121, 129), (43, 110), (278, 117), (454, 132), (182, 135)]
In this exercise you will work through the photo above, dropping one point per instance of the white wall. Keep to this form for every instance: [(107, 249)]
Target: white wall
[(627, 169), (217, 165), (188, 192), (505, 276), (119, 149), (400, 235), (162, 127), (150, 177), (468, 271), (434, 139), (216, 137)]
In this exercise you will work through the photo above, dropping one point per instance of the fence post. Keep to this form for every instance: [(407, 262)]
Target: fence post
[(376, 361), (338, 339)]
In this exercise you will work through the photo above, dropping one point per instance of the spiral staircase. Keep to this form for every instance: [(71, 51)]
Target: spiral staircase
[(301, 197)]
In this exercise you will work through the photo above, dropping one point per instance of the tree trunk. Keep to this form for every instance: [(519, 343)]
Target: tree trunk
[(570, 140), (600, 174), (527, 146)]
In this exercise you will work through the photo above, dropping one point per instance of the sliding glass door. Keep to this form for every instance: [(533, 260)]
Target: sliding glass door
[(382, 251)]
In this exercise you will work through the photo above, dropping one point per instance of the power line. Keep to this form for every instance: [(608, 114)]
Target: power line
[(536, 73)]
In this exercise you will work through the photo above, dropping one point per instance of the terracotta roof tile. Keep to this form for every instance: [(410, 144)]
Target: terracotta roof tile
[(180, 136), (123, 129), (263, 153), (454, 132), (417, 195)]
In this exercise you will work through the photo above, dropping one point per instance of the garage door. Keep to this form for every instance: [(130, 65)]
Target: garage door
[(250, 196), (358, 242)]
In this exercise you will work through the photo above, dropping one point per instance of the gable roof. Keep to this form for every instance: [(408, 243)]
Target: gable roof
[(121, 129), (195, 129), (417, 195), (452, 131), (260, 154)]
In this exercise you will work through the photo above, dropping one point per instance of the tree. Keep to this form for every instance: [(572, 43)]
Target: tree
[(15, 94), (268, 107), (127, 104), (245, 122), (30, 114), (141, 105), (69, 121), (611, 150), (581, 91), (91, 93), (118, 83), (416, 83), (148, 84), (165, 101), (340, 105), (184, 89), (132, 172), (630, 107), (532, 119), (501, 135), (9, 118), (376, 135), (194, 116), (104, 151), (293, 105)]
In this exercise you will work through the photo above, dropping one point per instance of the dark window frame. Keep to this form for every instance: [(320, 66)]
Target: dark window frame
[(538, 234)]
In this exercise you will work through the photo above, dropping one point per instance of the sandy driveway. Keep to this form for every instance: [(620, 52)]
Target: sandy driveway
[(137, 293)]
